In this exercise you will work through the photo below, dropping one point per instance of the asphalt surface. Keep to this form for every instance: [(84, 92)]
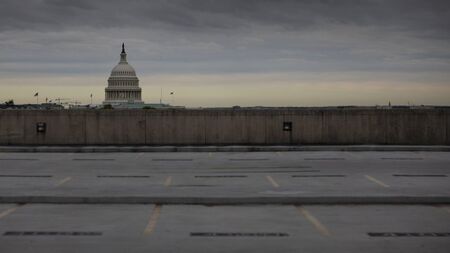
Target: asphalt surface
[(187, 228), (115, 184), (221, 178)]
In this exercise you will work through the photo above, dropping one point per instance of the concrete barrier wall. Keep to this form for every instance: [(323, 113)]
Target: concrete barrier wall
[(225, 127)]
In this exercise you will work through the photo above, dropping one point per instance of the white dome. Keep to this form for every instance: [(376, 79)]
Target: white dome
[(123, 69), (123, 84)]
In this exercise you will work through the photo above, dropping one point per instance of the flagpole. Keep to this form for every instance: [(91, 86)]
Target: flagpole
[(172, 95)]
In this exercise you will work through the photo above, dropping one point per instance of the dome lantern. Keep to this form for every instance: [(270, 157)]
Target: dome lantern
[(123, 55)]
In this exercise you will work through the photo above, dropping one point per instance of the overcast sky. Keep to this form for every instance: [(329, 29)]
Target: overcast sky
[(230, 52)]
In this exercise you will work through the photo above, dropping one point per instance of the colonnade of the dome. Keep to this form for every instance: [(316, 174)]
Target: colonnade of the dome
[(123, 95)]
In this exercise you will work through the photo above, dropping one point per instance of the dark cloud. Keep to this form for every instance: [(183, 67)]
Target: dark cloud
[(219, 14), (226, 35)]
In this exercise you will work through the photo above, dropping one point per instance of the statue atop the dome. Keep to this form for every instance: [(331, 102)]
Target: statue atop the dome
[(123, 48)]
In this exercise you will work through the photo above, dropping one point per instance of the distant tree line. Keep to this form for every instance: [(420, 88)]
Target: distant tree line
[(9, 102)]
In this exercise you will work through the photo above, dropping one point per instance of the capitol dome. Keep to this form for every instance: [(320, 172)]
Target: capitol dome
[(123, 69), (123, 84)]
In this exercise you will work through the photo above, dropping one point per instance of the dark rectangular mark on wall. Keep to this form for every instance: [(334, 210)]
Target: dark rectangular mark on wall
[(418, 175), (249, 159), (18, 159), (171, 160), (123, 176), (193, 185), (401, 158), (265, 171), (318, 176), (408, 234), (305, 171), (93, 159), (51, 233), (261, 167), (282, 167), (239, 234), (222, 176), (26, 176), (178, 171), (325, 159)]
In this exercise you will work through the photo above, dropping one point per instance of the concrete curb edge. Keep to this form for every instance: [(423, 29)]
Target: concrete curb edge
[(324, 200), (110, 149)]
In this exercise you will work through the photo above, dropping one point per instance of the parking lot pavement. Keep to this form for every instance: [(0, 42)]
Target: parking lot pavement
[(187, 228), (274, 177), (148, 180)]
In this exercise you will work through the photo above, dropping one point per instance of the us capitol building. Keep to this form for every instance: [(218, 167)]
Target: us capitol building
[(123, 85)]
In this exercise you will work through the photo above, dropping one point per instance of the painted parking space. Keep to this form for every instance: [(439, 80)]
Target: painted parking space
[(166, 228), (110, 220), (212, 228), (225, 174), (350, 221)]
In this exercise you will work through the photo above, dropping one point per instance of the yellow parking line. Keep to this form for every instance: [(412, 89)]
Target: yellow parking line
[(8, 211), (376, 181), (153, 220), (67, 179), (168, 181), (313, 220), (272, 181)]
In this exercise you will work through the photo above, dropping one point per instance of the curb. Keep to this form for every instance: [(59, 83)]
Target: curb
[(110, 149), (325, 200)]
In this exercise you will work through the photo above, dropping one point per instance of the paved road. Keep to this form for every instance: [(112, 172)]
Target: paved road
[(267, 176), (272, 176), (187, 228)]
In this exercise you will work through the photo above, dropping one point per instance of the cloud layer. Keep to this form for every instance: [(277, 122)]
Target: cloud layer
[(43, 38)]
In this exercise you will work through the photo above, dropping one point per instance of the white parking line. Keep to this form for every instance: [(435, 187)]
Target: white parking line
[(376, 181), (272, 181), (63, 181), (8, 211), (168, 181)]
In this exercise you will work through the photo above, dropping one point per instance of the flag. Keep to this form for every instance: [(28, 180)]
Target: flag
[(37, 93)]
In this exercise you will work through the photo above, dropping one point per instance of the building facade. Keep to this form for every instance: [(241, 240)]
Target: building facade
[(123, 85)]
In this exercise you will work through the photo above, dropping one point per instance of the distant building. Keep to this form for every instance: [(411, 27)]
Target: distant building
[(43, 106), (123, 85)]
